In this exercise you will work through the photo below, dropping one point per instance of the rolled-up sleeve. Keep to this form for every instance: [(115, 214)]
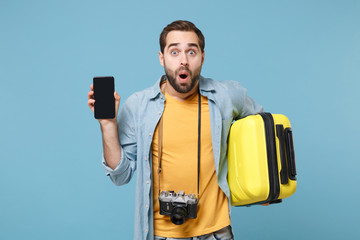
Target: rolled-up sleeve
[(250, 106), (122, 173), (244, 105)]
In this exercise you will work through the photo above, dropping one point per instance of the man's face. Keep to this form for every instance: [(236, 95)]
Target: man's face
[(182, 60)]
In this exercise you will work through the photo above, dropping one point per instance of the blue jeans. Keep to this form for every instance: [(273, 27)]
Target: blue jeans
[(222, 234)]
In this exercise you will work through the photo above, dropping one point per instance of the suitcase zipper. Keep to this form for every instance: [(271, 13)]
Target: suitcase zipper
[(274, 191)]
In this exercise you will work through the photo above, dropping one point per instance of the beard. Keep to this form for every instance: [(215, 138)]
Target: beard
[(182, 87)]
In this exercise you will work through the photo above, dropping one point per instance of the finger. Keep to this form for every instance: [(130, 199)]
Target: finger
[(92, 87), (91, 103), (91, 95), (116, 95), (117, 100)]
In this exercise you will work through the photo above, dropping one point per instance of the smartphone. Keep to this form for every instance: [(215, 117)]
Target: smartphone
[(104, 88)]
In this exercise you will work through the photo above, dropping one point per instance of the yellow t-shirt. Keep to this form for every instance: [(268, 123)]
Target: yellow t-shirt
[(179, 169)]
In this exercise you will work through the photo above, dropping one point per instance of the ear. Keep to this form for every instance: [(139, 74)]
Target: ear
[(202, 58), (161, 58)]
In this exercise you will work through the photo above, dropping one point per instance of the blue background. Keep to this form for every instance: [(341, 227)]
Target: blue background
[(299, 58)]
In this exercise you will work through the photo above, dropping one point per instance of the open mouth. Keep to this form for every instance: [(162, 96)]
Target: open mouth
[(183, 76)]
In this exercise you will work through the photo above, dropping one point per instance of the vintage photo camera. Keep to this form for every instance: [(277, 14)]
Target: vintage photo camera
[(178, 206)]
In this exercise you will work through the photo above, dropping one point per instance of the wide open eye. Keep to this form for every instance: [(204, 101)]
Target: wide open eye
[(192, 52), (174, 52)]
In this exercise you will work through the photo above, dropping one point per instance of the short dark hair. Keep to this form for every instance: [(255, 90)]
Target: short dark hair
[(181, 25)]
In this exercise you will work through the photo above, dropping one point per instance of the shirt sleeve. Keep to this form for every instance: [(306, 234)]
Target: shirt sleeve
[(250, 106), (245, 104)]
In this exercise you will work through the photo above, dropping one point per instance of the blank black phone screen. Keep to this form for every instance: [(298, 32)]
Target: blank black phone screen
[(104, 107)]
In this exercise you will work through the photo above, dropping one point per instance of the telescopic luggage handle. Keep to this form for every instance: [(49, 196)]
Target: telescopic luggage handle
[(287, 154)]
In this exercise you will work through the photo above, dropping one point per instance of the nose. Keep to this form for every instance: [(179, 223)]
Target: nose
[(184, 59)]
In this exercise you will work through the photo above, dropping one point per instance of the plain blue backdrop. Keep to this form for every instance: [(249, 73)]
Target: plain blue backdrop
[(299, 58)]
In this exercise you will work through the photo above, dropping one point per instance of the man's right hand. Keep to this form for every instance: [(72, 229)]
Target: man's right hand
[(91, 102)]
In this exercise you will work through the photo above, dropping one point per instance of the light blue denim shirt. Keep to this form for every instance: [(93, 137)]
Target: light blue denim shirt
[(137, 121)]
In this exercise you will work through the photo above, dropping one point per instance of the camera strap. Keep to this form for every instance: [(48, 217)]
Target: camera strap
[(160, 136)]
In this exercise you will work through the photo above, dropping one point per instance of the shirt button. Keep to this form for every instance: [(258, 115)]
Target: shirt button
[(159, 113), (146, 206), (146, 158), (149, 134), (147, 182), (146, 230)]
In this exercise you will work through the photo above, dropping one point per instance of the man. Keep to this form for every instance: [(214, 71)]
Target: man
[(196, 114)]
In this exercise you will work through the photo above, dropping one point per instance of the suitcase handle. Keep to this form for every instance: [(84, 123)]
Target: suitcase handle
[(284, 166), (289, 143), (286, 145)]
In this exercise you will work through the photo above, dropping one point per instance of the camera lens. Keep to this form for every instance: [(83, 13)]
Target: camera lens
[(178, 215)]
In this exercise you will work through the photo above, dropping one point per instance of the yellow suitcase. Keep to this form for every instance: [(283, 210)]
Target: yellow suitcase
[(261, 160)]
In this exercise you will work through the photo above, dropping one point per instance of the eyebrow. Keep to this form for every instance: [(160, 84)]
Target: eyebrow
[(189, 44)]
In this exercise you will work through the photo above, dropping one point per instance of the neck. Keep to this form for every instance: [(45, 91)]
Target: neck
[(180, 96)]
